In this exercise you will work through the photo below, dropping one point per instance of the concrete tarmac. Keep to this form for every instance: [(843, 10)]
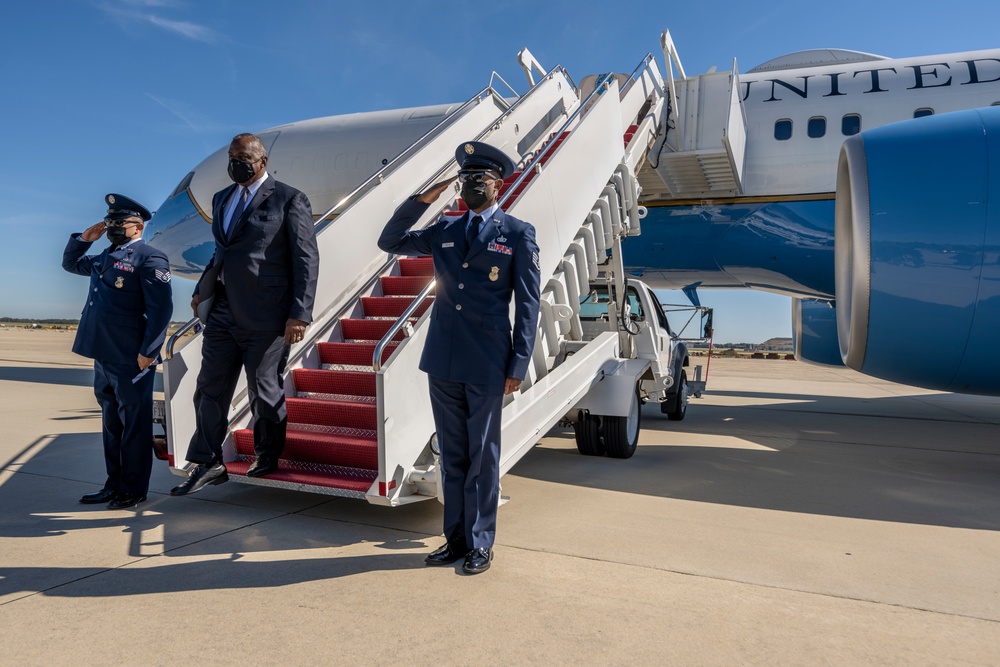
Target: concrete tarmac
[(798, 516)]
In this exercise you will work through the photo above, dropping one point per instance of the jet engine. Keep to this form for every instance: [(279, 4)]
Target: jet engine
[(814, 332), (918, 251)]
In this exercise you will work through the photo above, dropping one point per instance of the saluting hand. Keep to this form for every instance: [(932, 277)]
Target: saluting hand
[(430, 195), (294, 331), (94, 232)]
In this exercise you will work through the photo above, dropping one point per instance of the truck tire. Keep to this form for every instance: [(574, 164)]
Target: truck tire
[(588, 436), (676, 408), (621, 434)]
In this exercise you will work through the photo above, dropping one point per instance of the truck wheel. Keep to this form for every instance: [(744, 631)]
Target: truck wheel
[(588, 436), (678, 407), (621, 434)]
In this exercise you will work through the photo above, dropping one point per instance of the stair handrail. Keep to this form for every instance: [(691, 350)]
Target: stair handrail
[(634, 76), (323, 221), (187, 326), (496, 75), (548, 147), (499, 119), (399, 324)]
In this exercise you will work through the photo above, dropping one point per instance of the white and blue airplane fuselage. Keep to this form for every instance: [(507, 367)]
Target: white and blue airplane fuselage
[(864, 194)]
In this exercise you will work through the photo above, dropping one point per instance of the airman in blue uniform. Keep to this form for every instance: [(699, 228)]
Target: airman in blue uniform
[(122, 329), (474, 354)]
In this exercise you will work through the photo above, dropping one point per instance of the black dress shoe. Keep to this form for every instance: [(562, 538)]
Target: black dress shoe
[(102, 496), (262, 466), (445, 555), (202, 475), (125, 500), (478, 560)]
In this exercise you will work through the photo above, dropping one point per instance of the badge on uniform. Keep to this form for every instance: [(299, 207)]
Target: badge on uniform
[(119, 282), (534, 258), (495, 273), (449, 244), (162, 276), (502, 249), (124, 266)]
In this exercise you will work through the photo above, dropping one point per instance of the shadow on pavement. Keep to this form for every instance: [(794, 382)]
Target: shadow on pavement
[(780, 459)]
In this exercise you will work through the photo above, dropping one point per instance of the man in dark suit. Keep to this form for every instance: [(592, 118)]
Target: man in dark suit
[(122, 329), (473, 356), (255, 299)]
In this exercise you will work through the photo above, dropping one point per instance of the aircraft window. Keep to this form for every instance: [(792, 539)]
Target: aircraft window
[(817, 127), (182, 186), (783, 129), (924, 111), (851, 124)]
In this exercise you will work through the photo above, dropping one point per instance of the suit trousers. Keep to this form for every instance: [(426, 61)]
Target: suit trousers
[(127, 420), (467, 419), (226, 349)]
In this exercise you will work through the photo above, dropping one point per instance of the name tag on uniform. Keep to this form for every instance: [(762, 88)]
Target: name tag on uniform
[(449, 244), (502, 249)]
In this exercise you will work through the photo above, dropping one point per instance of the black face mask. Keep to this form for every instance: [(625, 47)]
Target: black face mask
[(474, 194), (118, 235), (240, 171)]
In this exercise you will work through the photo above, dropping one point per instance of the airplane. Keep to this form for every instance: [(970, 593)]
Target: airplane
[(857, 184)]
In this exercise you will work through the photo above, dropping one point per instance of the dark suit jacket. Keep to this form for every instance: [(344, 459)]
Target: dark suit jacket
[(270, 259), (128, 302), (470, 337)]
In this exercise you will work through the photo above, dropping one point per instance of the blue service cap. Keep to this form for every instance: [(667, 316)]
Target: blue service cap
[(475, 155), (121, 207)]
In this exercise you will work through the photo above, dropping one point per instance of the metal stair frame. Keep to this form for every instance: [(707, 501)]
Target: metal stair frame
[(588, 161)]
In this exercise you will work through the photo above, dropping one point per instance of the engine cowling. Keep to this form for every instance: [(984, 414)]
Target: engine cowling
[(814, 332), (918, 251)]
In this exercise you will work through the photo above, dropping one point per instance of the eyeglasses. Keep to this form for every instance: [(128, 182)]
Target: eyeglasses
[(476, 176)]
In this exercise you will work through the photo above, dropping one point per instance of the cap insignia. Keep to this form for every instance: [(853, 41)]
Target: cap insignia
[(111, 199), (469, 149)]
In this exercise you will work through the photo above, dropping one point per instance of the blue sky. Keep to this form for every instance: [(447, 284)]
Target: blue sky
[(127, 96)]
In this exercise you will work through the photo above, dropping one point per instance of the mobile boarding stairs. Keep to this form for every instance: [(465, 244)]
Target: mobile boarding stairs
[(359, 416)]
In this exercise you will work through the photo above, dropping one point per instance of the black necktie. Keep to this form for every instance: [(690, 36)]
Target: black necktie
[(240, 206), (472, 232)]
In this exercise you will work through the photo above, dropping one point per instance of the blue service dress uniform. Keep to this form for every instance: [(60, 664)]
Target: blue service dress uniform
[(472, 347), (128, 309)]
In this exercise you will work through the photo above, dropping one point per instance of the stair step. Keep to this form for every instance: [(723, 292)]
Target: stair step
[(629, 133), (391, 306), (416, 266), (357, 482), (352, 354), (367, 329), (404, 285), (311, 447), (555, 145), (332, 413), (319, 381)]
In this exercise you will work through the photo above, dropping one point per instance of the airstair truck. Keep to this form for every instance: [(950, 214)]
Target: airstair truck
[(359, 418)]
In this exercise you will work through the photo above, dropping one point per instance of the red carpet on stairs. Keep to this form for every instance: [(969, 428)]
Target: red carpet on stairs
[(332, 437)]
